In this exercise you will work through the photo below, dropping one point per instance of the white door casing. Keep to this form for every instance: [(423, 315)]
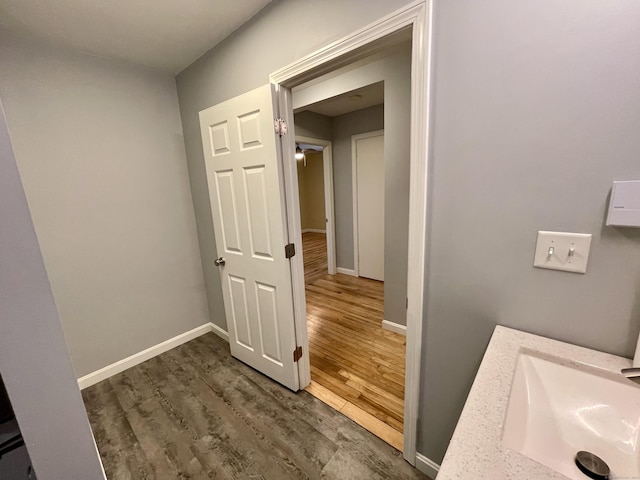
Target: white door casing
[(368, 204), (419, 16), (242, 158)]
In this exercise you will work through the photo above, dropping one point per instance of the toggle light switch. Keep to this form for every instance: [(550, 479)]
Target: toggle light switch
[(562, 251)]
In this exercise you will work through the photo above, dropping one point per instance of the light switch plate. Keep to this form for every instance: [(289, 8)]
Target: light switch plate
[(554, 251)]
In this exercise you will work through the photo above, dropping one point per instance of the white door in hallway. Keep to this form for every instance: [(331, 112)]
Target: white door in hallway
[(242, 152), (368, 164)]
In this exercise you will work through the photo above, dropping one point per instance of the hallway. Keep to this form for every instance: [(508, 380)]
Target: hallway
[(356, 366)]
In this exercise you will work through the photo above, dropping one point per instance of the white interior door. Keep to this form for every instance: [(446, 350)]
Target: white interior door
[(369, 213), (242, 153)]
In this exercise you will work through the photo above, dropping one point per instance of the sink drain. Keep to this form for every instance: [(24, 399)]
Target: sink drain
[(592, 465)]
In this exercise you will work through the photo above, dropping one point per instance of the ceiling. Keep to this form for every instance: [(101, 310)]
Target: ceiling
[(163, 34), (349, 102)]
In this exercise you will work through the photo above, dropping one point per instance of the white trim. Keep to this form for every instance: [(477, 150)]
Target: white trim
[(329, 208), (394, 327), (219, 331), (427, 466), (320, 62), (421, 61), (294, 229), (144, 355), (313, 230), (354, 193), (418, 15), (347, 271)]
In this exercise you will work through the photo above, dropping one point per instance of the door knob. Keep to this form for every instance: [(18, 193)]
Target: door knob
[(218, 262)]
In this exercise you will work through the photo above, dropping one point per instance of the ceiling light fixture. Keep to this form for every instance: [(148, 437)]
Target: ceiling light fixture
[(299, 153)]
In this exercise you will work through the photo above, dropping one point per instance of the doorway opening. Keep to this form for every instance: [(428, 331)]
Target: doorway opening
[(414, 22), (254, 194), (315, 186), (357, 365)]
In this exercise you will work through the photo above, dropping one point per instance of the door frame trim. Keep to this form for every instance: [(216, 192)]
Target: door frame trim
[(354, 193), (329, 205), (419, 16)]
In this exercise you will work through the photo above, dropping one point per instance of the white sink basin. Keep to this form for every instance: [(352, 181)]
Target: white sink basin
[(556, 410)]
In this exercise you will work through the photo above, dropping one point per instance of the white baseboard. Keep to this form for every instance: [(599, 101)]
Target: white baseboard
[(394, 327), (219, 331), (313, 230), (144, 355), (346, 271), (427, 466)]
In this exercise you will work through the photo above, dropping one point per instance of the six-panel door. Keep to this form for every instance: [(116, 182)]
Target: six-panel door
[(241, 152)]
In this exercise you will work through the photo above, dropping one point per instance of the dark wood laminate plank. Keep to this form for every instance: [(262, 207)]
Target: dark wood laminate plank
[(201, 414), (166, 440), (124, 459), (356, 444), (221, 430), (160, 426), (285, 437)]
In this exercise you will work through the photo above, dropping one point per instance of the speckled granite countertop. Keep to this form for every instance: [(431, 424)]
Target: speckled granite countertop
[(476, 450)]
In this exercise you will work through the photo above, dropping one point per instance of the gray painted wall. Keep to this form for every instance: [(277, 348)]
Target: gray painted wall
[(34, 360), (242, 62), (537, 111), (100, 150), (343, 128), (314, 125)]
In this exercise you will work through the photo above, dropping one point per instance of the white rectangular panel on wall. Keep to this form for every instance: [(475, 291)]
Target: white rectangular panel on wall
[(241, 151)]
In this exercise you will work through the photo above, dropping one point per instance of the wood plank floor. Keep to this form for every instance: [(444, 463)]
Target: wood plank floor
[(356, 366), (197, 413)]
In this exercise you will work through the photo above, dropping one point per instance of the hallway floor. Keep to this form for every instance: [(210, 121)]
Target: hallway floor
[(356, 366), (195, 412)]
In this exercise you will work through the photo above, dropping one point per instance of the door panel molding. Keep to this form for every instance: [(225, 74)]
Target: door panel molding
[(417, 15)]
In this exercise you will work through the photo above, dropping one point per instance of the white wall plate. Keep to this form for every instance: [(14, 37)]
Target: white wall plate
[(562, 251)]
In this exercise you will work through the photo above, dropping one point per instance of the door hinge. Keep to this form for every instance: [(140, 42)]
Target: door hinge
[(280, 126), (289, 250), (297, 354)]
